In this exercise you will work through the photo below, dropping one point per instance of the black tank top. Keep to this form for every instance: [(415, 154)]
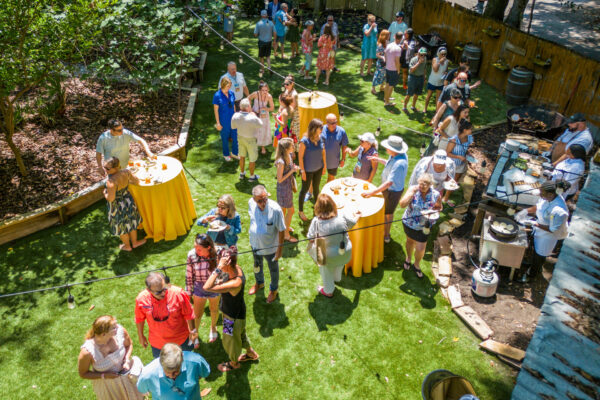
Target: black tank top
[(234, 306)]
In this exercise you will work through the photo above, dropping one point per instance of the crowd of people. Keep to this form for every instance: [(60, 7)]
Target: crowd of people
[(243, 119)]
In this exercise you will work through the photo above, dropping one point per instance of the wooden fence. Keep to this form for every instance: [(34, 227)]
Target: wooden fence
[(570, 84)]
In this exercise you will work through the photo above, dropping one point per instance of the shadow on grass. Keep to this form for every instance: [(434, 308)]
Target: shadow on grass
[(332, 311), (269, 316), (420, 287), (237, 385)]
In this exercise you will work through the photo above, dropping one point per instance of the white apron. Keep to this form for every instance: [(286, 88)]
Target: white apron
[(544, 241)]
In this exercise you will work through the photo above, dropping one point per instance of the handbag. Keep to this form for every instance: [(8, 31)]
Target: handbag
[(318, 248)]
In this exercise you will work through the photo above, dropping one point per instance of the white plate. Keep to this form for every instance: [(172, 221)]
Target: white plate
[(451, 185), (430, 214), (349, 182), (217, 226)]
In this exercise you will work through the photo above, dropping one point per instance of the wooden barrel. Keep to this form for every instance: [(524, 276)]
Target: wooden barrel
[(518, 86), (473, 54)]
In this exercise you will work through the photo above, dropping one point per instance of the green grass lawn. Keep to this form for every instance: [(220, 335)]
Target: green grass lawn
[(376, 339)]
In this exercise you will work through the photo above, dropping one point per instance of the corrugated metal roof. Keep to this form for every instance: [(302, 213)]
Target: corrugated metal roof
[(563, 357)]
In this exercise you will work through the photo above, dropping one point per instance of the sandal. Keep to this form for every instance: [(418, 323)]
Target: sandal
[(291, 239), (212, 336), (322, 291), (245, 357), (302, 216), (227, 366), (406, 265), (417, 271), (451, 203)]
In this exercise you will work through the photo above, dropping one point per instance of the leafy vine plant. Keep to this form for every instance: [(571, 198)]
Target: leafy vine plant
[(148, 43)]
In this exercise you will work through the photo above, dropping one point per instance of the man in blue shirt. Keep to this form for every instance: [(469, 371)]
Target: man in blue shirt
[(336, 142), (392, 178), (281, 21), (175, 375), (115, 143), (264, 30), (272, 8)]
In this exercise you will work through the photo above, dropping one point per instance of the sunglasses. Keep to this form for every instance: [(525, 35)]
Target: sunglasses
[(462, 80), (456, 97), (261, 199)]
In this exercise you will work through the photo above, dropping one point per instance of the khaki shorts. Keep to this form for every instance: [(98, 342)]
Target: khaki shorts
[(248, 148)]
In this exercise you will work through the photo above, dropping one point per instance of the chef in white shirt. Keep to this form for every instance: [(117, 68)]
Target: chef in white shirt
[(576, 133), (238, 83), (440, 166), (571, 169), (551, 225)]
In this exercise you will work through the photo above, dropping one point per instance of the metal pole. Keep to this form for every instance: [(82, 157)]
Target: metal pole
[(531, 15)]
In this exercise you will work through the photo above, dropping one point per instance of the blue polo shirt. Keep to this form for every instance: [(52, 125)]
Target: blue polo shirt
[(313, 154), (395, 171), (280, 18), (226, 107), (264, 29), (185, 386), (334, 141)]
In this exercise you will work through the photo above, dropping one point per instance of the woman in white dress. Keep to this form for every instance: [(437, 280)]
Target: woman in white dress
[(107, 350), (262, 107)]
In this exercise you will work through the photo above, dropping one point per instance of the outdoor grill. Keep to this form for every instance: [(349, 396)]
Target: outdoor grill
[(554, 122)]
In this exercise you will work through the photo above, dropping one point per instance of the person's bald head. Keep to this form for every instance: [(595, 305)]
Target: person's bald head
[(461, 79), (331, 120)]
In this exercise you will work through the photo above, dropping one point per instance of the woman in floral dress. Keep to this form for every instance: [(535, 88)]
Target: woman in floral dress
[(283, 120), (379, 77), (286, 182), (123, 215), (325, 60), (262, 107)]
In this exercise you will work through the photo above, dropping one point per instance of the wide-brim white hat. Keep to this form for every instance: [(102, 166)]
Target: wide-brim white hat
[(395, 144)]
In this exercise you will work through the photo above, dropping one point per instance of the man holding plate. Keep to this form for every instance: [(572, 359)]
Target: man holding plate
[(441, 167)]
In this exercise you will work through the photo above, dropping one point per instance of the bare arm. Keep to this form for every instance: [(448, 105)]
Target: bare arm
[(146, 148), (353, 153), (219, 126), (132, 178), (301, 150), (246, 91), (374, 166), (324, 161), (436, 118), (271, 105), (140, 332), (449, 149), (407, 198), (442, 128), (380, 189), (99, 162), (110, 191)]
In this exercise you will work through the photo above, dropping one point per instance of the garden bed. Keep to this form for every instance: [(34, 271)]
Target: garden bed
[(61, 160)]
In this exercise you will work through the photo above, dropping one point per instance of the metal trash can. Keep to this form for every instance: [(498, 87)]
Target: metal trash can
[(442, 384)]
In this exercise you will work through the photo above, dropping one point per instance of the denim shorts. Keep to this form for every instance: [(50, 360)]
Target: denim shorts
[(392, 77), (415, 85), (200, 292), (433, 87), (281, 39)]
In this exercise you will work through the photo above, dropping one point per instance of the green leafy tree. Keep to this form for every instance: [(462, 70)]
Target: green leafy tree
[(151, 43), (38, 39)]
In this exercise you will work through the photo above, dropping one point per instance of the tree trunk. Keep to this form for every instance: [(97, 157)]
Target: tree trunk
[(495, 9), (8, 126), (408, 10), (515, 15)]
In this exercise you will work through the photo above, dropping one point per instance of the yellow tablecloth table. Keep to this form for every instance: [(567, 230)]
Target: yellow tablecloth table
[(367, 243), (315, 105), (165, 201)]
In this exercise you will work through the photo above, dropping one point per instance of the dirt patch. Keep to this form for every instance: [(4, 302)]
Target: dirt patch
[(61, 160), (513, 312)]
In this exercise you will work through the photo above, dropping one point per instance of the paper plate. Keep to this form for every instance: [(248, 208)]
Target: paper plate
[(450, 185), (217, 226), (349, 182), (429, 214)]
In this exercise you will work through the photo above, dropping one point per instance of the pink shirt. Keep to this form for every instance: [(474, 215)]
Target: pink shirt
[(392, 51)]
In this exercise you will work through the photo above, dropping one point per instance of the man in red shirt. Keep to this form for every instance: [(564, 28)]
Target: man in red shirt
[(169, 314)]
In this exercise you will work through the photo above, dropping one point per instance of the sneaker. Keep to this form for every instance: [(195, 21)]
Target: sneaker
[(321, 290), (308, 196), (253, 178), (235, 156), (242, 175), (227, 158)]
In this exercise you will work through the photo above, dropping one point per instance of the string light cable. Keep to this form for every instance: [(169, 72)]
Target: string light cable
[(224, 39), (163, 269)]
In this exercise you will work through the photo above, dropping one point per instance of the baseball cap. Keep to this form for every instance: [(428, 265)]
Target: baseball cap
[(577, 117), (439, 157), (399, 14), (368, 137), (309, 22), (422, 50), (442, 50), (263, 13)]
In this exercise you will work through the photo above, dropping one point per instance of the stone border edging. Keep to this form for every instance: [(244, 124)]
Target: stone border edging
[(58, 212)]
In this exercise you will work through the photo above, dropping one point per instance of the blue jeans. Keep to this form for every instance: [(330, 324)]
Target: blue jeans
[(226, 134), (308, 61), (184, 346), (273, 269)]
